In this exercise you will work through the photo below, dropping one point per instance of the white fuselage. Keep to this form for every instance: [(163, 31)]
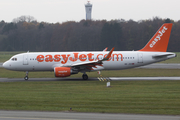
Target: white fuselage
[(47, 61)]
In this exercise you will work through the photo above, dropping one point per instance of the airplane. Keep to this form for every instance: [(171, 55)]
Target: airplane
[(65, 64)]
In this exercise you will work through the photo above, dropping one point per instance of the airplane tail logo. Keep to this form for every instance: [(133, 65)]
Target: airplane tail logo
[(159, 42)]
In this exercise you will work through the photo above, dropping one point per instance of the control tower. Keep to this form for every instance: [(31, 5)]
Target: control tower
[(88, 8)]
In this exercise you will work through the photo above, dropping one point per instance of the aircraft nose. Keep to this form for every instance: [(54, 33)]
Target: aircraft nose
[(5, 65)]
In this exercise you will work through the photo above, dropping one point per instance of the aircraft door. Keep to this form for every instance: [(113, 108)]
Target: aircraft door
[(140, 58), (25, 59)]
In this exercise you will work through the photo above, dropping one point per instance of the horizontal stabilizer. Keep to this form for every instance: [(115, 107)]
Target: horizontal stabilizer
[(163, 55)]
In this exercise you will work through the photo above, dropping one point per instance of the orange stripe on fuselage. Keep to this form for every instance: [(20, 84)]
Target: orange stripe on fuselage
[(63, 58)]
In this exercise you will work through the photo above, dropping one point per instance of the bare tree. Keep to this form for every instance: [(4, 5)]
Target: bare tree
[(24, 19)]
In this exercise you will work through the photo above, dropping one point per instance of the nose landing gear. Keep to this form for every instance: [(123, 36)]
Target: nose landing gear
[(26, 77)]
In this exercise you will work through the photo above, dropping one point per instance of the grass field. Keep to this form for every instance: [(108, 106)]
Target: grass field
[(135, 97), (142, 97)]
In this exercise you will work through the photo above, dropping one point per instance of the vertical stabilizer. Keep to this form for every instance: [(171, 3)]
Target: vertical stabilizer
[(159, 42)]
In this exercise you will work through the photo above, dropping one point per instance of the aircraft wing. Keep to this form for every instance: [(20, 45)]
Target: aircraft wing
[(87, 66)]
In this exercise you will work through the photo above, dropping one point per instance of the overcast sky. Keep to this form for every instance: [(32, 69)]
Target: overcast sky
[(53, 11)]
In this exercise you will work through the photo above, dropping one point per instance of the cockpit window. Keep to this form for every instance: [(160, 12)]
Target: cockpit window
[(14, 59)]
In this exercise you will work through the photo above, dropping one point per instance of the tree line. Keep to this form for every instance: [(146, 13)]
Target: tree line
[(26, 34)]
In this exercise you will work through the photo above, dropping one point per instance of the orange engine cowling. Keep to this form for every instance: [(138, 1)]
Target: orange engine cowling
[(62, 71)]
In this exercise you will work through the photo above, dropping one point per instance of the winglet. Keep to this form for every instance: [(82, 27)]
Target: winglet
[(108, 55), (159, 42), (105, 49)]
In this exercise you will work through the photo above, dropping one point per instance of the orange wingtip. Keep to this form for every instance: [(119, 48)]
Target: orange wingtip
[(105, 49)]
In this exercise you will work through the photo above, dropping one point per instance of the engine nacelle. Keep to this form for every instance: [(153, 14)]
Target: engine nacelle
[(64, 71)]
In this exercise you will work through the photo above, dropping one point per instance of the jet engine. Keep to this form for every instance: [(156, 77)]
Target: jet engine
[(64, 71)]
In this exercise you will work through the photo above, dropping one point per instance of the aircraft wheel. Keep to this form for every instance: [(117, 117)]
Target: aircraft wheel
[(85, 76), (26, 78)]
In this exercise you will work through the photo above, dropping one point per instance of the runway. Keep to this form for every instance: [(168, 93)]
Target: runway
[(34, 115), (90, 79)]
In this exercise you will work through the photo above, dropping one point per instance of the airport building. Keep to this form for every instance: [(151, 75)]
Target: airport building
[(88, 8)]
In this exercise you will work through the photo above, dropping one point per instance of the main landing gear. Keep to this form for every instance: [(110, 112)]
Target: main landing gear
[(85, 76), (26, 77)]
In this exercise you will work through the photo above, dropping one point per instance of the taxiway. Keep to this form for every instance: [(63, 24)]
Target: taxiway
[(34, 115), (90, 79)]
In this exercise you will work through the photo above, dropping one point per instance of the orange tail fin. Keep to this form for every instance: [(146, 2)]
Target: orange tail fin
[(159, 42)]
